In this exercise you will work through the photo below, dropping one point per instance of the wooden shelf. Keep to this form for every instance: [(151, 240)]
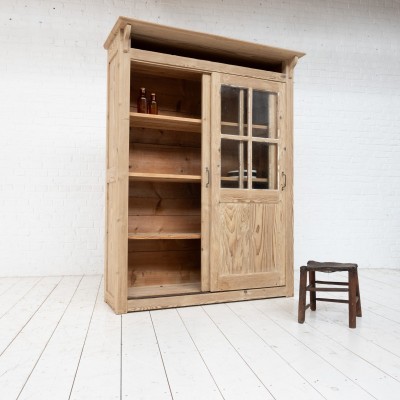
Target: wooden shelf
[(236, 179), (165, 122), (164, 290), (150, 177), (163, 235)]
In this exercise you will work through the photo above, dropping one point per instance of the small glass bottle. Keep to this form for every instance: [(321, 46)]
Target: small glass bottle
[(142, 101), (153, 108)]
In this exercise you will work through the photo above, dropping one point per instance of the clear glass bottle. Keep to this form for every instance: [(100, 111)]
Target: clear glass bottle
[(142, 101), (153, 108)]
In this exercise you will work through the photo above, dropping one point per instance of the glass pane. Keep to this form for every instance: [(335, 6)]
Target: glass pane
[(265, 105), (265, 165), (233, 110), (233, 164)]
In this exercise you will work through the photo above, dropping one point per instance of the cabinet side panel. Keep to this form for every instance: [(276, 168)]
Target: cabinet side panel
[(116, 268), (110, 272), (288, 199)]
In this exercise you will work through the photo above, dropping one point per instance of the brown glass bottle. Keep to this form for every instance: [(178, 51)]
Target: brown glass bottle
[(153, 108), (142, 101)]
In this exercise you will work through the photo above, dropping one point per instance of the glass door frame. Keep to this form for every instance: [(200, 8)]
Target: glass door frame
[(239, 194)]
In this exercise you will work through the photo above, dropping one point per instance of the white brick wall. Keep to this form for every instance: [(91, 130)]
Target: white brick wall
[(52, 113)]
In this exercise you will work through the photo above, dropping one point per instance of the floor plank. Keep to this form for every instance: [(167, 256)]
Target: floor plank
[(7, 283), (55, 370), (99, 370), (273, 370), (59, 341), (233, 376), (187, 373), (143, 374), (19, 315), (369, 377), (15, 293), (385, 360), (324, 376), (20, 358)]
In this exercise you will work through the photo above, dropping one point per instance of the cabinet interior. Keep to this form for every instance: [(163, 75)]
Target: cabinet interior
[(164, 207), (178, 94)]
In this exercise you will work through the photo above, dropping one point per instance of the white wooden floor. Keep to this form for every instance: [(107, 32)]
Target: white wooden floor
[(58, 340)]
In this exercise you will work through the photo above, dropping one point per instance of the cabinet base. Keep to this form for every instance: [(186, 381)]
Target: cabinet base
[(156, 303)]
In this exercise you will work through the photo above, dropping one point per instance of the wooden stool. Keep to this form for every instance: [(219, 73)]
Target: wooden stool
[(353, 289)]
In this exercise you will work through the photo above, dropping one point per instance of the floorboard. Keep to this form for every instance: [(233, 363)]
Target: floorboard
[(20, 358), (20, 314), (99, 370), (143, 373), (15, 293), (188, 375), (54, 372), (59, 340), (361, 372), (277, 372), (233, 376)]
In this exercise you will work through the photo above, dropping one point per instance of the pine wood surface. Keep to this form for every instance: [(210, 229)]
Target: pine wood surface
[(59, 338), (165, 122), (243, 233), (211, 43), (151, 158)]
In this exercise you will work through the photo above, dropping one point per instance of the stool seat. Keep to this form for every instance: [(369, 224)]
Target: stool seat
[(329, 266), (354, 300)]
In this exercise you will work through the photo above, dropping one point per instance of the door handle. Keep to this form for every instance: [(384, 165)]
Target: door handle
[(208, 177), (284, 184)]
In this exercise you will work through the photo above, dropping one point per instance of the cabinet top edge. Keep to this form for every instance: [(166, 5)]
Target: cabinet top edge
[(214, 44)]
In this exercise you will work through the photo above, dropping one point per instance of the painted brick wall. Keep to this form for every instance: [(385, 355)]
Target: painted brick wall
[(53, 106)]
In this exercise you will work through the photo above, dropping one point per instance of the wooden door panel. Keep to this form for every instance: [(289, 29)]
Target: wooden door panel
[(250, 246), (248, 222)]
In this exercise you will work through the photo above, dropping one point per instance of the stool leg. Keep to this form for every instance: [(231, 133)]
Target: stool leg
[(302, 295), (313, 295), (359, 311), (352, 298)]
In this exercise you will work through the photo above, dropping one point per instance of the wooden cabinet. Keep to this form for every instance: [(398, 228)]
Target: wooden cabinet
[(199, 199)]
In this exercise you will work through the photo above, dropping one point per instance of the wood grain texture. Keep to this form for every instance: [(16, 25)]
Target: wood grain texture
[(212, 44), (110, 255), (288, 169), (158, 206), (154, 177), (204, 298), (165, 122), (176, 97), (167, 137), (244, 233), (168, 267), (164, 224), (250, 245), (215, 151), (117, 190), (149, 158), (206, 183), (163, 262), (184, 65), (248, 225), (163, 290)]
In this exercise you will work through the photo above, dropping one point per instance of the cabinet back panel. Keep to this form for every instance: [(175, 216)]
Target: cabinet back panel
[(176, 97), (149, 158), (163, 262), (157, 206), (162, 137), (164, 207), (164, 224), (164, 190)]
